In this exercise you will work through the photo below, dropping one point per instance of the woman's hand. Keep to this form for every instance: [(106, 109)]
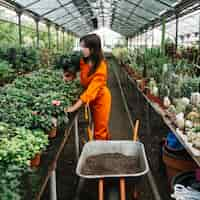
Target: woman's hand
[(74, 107)]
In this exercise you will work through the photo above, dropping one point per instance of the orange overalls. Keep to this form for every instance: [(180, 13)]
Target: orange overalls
[(98, 96)]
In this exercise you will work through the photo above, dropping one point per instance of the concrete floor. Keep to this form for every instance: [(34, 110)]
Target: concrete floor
[(119, 124)]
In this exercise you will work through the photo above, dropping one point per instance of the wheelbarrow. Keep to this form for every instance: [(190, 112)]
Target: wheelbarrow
[(125, 147)]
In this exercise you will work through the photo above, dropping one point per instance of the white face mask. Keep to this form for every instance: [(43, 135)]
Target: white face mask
[(85, 51)]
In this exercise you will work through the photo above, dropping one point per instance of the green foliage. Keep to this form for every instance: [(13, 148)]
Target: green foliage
[(15, 155), (19, 149), (189, 85), (6, 72), (10, 182), (29, 100), (175, 79)]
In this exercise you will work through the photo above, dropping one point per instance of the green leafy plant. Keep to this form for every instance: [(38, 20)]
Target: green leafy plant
[(6, 72), (19, 149)]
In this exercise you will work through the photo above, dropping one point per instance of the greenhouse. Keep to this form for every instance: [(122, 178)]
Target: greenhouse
[(99, 99)]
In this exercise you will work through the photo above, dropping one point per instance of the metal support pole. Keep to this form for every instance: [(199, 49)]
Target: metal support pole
[(37, 33), (53, 194), (79, 187), (133, 42), (63, 31), (136, 40), (127, 40), (19, 14), (146, 38), (49, 36), (76, 138), (176, 38), (152, 38), (57, 39), (199, 31)]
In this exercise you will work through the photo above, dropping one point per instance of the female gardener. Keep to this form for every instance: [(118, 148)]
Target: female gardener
[(93, 77)]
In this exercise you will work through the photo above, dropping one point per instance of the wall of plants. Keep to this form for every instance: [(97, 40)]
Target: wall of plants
[(173, 83), (33, 96), (31, 106)]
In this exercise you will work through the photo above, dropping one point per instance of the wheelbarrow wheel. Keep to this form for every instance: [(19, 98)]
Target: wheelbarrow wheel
[(113, 193)]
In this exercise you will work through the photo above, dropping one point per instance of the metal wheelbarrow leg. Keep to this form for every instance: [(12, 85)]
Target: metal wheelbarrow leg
[(122, 180)]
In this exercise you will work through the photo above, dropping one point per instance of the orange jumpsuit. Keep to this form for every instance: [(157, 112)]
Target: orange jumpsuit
[(97, 95)]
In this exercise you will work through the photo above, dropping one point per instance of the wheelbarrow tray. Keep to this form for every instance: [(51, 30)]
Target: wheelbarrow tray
[(125, 147)]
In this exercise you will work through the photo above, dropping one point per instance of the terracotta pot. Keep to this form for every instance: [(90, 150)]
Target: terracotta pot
[(176, 164), (35, 162), (52, 133), (142, 84), (155, 99)]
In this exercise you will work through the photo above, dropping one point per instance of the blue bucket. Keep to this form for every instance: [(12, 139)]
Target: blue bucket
[(173, 143)]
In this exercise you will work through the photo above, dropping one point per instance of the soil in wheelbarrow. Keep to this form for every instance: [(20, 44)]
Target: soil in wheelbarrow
[(111, 163)]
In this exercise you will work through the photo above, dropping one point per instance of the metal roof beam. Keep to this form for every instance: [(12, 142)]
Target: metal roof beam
[(114, 4), (101, 6), (125, 22), (145, 19), (78, 4), (143, 8), (68, 22), (124, 26), (55, 9), (10, 4), (122, 32), (164, 3), (133, 10), (32, 3), (132, 20)]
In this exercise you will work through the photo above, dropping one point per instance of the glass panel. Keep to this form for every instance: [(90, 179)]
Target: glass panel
[(58, 13), (44, 6), (8, 15), (24, 2), (153, 5), (144, 13)]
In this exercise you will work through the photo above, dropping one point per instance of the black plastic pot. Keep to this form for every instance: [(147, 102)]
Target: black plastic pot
[(186, 179)]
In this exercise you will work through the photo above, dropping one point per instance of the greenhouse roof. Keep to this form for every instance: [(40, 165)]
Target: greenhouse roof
[(126, 17)]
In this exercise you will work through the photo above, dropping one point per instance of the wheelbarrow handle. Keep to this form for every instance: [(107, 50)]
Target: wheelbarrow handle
[(135, 131), (101, 189), (122, 189)]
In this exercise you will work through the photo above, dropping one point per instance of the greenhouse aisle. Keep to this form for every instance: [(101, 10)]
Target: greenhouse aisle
[(151, 131), (119, 124)]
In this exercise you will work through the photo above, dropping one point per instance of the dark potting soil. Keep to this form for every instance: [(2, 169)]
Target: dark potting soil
[(111, 163)]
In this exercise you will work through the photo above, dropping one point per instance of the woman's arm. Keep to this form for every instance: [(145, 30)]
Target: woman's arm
[(74, 107)]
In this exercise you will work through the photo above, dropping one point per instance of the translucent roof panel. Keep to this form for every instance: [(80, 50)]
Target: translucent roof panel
[(62, 12), (41, 7), (124, 16), (25, 2), (144, 12)]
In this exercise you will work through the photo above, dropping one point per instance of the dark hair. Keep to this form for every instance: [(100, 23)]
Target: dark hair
[(71, 63), (93, 42)]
